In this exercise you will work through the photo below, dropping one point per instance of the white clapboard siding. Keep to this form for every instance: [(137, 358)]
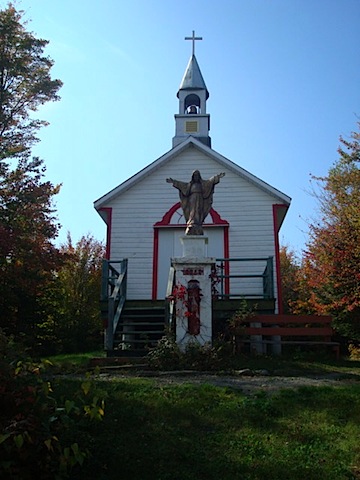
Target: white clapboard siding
[(247, 208), (241, 199)]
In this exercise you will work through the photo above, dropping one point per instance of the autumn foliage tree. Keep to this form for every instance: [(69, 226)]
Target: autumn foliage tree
[(27, 217), (330, 268), (27, 254), (74, 322)]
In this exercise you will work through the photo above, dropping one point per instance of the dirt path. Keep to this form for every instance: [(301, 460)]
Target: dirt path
[(248, 383)]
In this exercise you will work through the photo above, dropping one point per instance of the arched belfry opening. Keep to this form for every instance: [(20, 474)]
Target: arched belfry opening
[(192, 104)]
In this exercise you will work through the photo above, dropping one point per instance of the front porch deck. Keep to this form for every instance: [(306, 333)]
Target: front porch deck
[(134, 326)]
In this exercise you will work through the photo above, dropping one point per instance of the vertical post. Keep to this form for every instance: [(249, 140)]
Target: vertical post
[(268, 285), (104, 298), (222, 270), (276, 346), (256, 341), (109, 335), (271, 276), (104, 279)]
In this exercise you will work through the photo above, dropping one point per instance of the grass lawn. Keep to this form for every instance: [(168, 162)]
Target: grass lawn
[(74, 361), (187, 432)]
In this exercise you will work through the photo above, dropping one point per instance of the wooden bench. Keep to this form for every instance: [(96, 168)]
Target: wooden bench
[(280, 330)]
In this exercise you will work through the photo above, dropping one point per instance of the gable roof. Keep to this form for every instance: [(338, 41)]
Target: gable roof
[(191, 142)]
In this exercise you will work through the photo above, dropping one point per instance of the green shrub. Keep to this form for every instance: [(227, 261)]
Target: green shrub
[(354, 351), (33, 424), (167, 355)]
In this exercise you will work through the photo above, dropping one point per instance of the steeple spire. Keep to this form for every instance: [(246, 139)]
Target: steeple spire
[(192, 119), (193, 79)]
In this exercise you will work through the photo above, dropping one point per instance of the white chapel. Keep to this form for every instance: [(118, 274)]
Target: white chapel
[(144, 219)]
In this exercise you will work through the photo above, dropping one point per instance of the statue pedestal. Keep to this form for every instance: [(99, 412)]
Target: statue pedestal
[(193, 292), (194, 246)]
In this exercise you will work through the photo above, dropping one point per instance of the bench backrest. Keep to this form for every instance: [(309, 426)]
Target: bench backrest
[(290, 325), (291, 319)]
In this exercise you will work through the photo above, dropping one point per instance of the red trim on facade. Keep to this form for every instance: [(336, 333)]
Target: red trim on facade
[(166, 222), (155, 264), (227, 255), (108, 221), (276, 208), (217, 219)]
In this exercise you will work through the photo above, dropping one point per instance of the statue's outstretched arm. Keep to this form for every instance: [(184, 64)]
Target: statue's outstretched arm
[(216, 178)]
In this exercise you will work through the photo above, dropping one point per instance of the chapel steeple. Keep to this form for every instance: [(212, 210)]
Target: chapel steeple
[(192, 119)]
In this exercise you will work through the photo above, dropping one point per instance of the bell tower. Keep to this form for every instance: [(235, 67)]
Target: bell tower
[(192, 119)]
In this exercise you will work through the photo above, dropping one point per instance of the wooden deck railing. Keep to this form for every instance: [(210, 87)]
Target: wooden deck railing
[(245, 277)]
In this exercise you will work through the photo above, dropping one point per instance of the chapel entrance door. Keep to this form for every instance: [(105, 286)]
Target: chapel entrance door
[(169, 246)]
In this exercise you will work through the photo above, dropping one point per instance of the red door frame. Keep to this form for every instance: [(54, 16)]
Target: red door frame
[(217, 221)]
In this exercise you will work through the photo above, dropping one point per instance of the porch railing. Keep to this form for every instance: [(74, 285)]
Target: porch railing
[(244, 277), (113, 295)]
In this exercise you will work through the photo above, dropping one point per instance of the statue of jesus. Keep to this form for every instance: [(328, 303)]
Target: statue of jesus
[(196, 198)]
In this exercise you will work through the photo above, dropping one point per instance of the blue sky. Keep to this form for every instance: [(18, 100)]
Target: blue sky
[(283, 77)]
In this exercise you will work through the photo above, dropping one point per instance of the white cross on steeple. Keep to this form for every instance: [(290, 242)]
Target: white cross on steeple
[(193, 38)]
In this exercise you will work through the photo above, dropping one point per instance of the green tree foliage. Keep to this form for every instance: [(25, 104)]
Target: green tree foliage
[(289, 267), (37, 438), (25, 84), (27, 254), (75, 322), (27, 223), (330, 267)]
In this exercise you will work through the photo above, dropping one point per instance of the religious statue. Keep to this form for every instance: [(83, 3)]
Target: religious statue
[(196, 198)]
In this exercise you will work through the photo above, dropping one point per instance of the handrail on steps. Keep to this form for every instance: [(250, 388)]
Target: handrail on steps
[(113, 292)]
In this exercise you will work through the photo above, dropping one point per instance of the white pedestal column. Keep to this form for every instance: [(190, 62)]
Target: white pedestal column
[(193, 273)]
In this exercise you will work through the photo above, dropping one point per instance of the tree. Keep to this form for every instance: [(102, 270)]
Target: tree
[(28, 226), (27, 254), (25, 84), (75, 322), (289, 267), (330, 266)]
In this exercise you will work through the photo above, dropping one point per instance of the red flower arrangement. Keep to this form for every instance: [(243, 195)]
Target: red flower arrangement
[(190, 298)]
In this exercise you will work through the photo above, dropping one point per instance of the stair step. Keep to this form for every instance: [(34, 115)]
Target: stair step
[(142, 342), (130, 324), (139, 332), (138, 353), (142, 308), (141, 326)]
